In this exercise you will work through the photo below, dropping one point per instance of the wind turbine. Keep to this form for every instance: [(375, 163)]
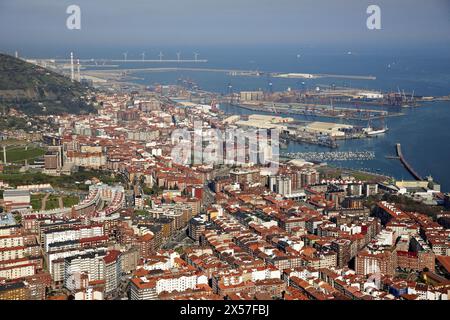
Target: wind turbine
[(195, 56), (125, 55), (178, 56), (143, 56), (160, 56)]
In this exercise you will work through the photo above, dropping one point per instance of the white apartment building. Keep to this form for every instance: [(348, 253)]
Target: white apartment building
[(90, 263), (75, 233)]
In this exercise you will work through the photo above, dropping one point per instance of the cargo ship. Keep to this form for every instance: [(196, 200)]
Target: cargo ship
[(373, 132)]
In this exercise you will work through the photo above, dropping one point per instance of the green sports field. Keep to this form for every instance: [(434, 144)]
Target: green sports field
[(16, 153)]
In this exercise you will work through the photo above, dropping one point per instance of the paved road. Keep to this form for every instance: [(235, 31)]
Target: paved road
[(44, 201), (208, 197)]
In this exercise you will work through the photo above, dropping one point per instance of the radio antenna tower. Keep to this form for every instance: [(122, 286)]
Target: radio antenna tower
[(72, 76), (78, 70)]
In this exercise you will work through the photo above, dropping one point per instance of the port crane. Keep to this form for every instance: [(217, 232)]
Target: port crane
[(332, 107)]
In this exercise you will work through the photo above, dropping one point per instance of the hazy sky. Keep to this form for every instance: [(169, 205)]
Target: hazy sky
[(42, 23)]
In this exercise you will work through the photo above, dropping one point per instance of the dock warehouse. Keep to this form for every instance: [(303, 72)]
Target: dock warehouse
[(326, 128)]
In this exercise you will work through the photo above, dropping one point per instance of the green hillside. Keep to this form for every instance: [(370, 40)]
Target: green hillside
[(36, 90)]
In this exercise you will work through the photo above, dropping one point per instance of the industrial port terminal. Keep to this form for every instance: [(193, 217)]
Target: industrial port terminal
[(356, 113)]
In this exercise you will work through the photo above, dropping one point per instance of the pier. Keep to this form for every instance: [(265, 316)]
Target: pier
[(231, 72), (103, 61), (315, 110), (331, 156), (316, 76), (406, 164)]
